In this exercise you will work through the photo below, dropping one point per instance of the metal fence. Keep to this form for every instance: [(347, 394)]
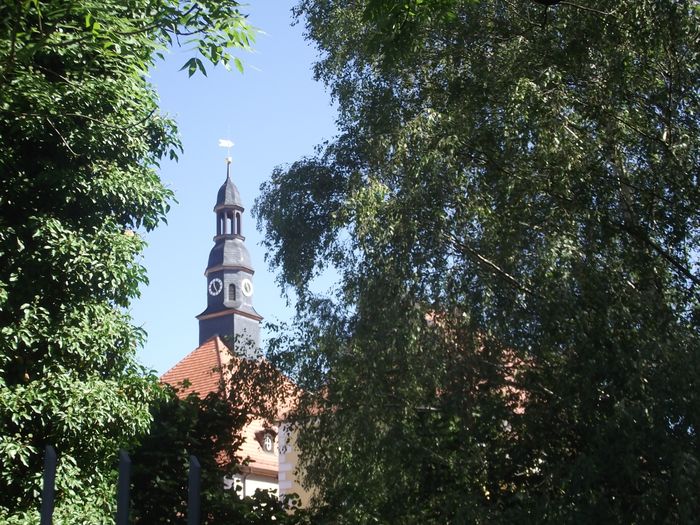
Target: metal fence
[(122, 518)]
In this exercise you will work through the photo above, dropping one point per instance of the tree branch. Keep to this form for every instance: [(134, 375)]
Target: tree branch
[(65, 142), (584, 8), (491, 265), (86, 117), (638, 234)]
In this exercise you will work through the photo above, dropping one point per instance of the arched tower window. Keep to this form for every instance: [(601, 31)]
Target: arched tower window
[(238, 223), (229, 221), (231, 292), (219, 223)]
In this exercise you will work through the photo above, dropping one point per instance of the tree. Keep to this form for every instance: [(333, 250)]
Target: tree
[(81, 141), (512, 208), (210, 428)]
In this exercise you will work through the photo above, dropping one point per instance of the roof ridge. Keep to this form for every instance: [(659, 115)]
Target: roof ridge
[(185, 357), (199, 367)]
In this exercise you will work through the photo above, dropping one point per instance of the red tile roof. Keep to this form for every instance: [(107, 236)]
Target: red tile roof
[(201, 368)]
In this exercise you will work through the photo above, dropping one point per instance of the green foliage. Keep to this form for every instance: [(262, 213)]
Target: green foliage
[(210, 428), (303, 186), (81, 141), (514, 218)]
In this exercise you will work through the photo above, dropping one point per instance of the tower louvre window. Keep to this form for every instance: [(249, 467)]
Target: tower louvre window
[(231, 292)]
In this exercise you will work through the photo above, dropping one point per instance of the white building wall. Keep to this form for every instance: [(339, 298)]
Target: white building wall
[(247, 484)]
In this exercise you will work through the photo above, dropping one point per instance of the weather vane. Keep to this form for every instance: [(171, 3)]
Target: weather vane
[(228, 144)]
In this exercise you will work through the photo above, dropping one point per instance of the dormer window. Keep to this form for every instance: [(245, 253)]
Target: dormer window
[(268, 442), (266, 439)]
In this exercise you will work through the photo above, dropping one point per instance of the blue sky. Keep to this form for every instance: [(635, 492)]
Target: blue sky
[(275, 113)]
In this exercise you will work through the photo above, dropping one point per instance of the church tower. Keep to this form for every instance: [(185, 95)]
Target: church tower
[(229, 276)]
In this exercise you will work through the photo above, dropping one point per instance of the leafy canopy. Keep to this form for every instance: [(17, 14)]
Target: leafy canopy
[(512, 207), (81, 138)]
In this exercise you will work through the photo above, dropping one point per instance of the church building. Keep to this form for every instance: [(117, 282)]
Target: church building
[(230, 318)]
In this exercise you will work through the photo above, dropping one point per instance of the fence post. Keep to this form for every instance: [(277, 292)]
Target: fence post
[(47, 492), (193, 495), (123, 488)]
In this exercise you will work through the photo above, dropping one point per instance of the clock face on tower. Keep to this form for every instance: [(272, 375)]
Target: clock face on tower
[(215, 286), (247, 287)]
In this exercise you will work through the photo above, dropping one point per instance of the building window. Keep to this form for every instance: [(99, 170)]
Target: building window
[(232, 292), (266, 439), (238, 223), (268, 442)]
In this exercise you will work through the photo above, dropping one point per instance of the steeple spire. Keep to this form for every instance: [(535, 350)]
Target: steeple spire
[(229, 275)]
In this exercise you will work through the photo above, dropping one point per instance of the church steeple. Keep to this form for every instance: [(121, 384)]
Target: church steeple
[(229, 274), (228, 207)]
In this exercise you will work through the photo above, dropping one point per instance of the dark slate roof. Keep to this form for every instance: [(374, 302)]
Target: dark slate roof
[(228, 195), (230, 252)]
